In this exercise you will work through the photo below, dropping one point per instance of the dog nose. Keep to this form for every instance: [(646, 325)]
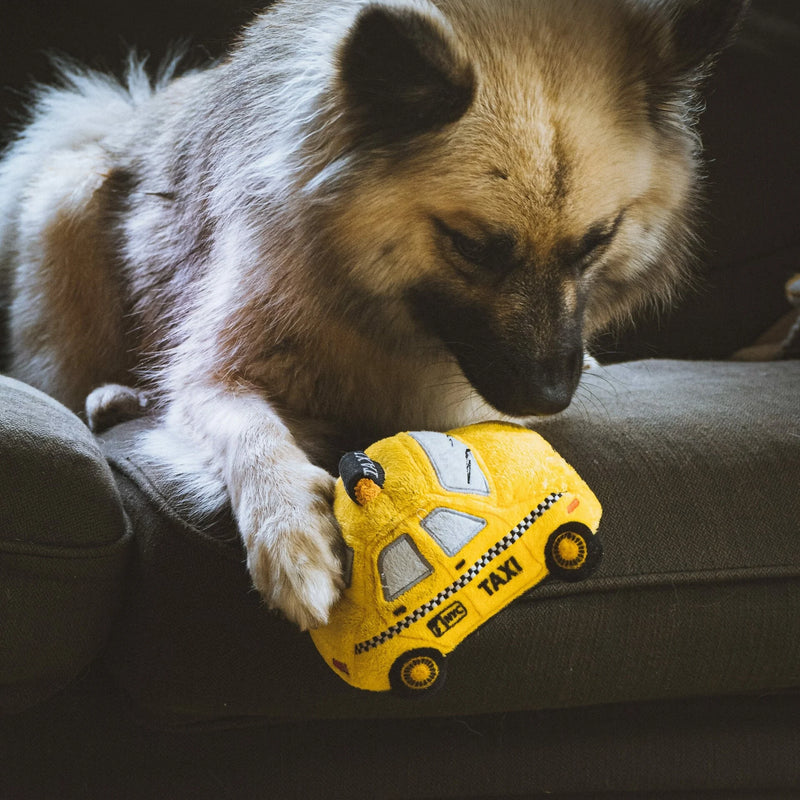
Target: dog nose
[(555, 381), (548, 386), (547, 400)]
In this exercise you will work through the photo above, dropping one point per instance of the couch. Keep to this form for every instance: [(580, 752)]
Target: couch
[(136, 661)]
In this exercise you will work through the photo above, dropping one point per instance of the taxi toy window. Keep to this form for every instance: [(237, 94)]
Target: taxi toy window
[(455, 466), (452, 530), (401, 566)]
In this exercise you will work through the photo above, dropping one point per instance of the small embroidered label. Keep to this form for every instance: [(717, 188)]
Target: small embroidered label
[(447, 619)]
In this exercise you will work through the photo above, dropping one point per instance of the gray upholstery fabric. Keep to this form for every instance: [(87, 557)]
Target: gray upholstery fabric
[(64, 544), (697, 465), (84, 746)]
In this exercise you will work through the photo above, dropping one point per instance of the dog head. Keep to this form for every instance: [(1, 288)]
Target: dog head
[(518, 174)]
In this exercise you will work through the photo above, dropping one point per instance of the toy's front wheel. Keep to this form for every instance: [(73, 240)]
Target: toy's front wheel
[(572, 552), (417, 672)]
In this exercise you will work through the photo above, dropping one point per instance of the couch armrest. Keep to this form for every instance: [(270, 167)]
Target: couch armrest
[(64, 544)]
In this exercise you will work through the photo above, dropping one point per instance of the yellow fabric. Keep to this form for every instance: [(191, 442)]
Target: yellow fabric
[(367, 633)]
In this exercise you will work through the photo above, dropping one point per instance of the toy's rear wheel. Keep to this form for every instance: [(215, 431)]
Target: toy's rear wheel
[(572, 552), (418, 672)]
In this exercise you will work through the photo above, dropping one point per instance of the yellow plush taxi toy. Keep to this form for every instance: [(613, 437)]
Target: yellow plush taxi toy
[(442, 530)]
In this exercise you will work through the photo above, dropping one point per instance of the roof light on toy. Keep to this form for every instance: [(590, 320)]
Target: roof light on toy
[(361, 477)]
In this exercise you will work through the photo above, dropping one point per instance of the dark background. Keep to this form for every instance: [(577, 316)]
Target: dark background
[(751, 128)]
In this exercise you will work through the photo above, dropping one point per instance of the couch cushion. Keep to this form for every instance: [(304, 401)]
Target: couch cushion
[(697, 465), (64, 543)]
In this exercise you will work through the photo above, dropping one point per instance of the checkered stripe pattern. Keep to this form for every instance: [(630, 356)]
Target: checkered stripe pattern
[(489, 556)]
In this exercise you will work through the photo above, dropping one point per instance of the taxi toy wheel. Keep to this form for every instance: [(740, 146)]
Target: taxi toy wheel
[(572, 552), (418, 672)]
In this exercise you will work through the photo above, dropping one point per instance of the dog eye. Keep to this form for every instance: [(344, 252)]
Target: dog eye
[(597, 239), (493, 253), (472, 250)]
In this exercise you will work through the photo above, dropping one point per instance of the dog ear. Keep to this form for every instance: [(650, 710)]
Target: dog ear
[(403, 73), (682, 38), (701, 30), (679, 42)]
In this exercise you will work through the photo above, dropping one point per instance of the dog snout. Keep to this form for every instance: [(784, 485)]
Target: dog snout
[(554, 383), (523, 385), (542, 387)]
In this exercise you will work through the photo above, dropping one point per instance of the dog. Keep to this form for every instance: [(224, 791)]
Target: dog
[(367, 217)]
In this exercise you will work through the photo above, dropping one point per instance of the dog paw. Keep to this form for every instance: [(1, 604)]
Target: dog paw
[(111, 404), (293, 544)]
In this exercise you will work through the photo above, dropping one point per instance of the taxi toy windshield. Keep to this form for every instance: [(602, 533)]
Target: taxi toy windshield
[(442, 531)]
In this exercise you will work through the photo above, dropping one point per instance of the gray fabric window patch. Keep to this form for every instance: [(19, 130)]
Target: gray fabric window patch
[(452, 530), (401, 566), (456, 468)]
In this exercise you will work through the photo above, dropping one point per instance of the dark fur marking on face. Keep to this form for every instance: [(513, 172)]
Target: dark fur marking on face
[(560, 180), (524, 363), (593, 243), (484, 254), (387, 249)]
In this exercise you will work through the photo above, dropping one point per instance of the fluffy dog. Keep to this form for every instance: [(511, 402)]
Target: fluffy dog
[(368, 217)]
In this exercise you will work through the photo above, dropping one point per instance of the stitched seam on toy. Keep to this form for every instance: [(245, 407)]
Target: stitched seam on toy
[(512, 536)]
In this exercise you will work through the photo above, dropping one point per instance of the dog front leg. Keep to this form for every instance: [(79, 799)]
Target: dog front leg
[(282, 503)]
